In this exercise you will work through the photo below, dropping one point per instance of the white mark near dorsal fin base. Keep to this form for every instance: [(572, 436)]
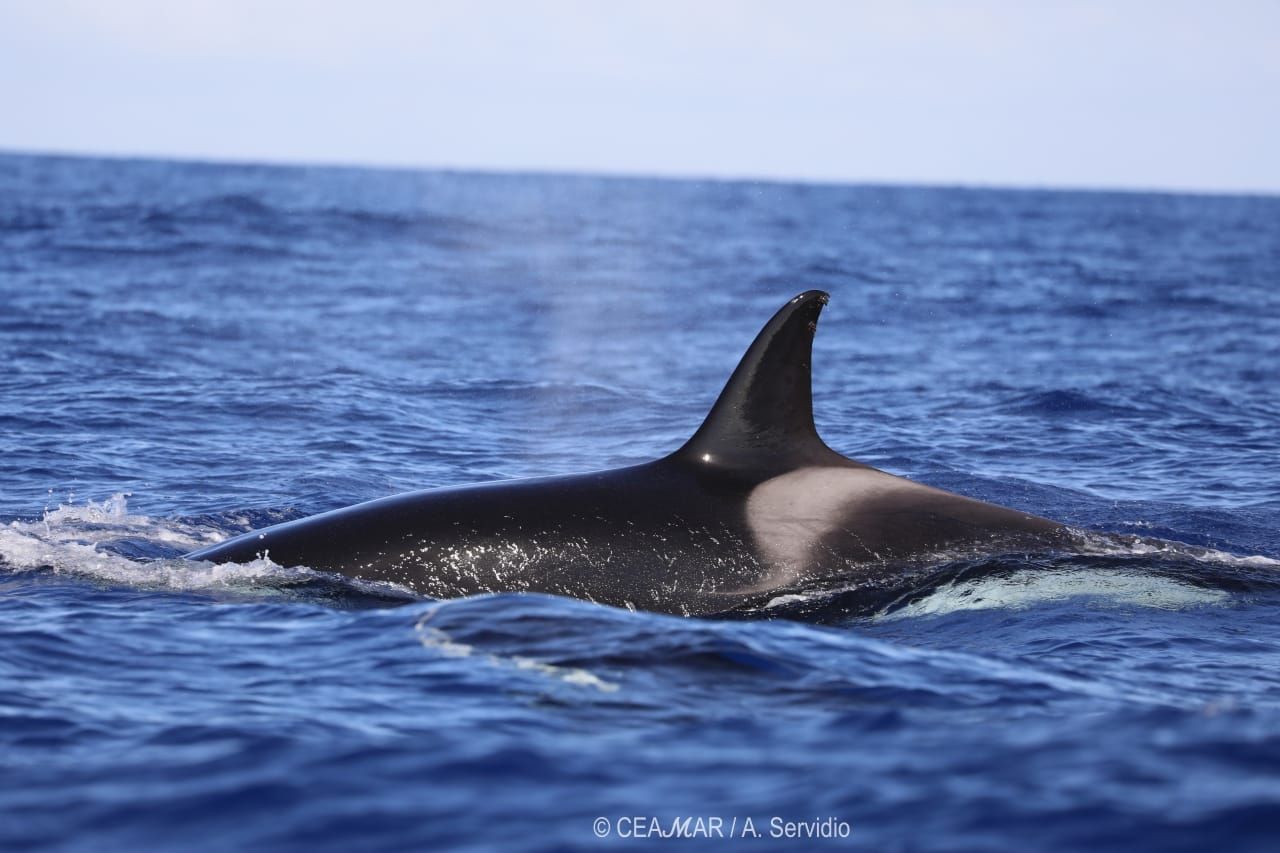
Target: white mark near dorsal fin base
[(789, 515)]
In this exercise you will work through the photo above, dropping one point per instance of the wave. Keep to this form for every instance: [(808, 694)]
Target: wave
[(1067, 402), (606, 652)]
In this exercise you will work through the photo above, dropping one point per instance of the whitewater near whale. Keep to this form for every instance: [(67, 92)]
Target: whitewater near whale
[(753, 504)]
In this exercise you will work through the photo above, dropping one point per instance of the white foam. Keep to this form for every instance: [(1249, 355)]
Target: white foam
[(67, 540), (96, 522)]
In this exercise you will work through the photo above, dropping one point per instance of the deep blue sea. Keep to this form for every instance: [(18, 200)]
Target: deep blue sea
[(193, 350)]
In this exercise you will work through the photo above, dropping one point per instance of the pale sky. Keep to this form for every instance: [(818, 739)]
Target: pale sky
[(1167, 95)]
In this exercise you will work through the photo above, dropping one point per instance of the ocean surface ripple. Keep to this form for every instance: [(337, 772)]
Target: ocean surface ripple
[(196, 350)]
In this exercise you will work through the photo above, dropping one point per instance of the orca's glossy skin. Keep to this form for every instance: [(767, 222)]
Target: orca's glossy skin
[(755, 502)]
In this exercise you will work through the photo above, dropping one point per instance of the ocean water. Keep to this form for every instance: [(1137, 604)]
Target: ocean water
[(195, 350)]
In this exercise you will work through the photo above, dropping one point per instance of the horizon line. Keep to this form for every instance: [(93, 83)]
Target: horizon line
[(638, 175)]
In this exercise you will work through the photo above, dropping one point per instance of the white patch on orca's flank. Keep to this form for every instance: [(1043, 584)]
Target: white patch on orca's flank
[(790, 514), (1026, 589)]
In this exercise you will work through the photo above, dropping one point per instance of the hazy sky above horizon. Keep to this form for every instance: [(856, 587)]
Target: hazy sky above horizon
[(1127, 93)]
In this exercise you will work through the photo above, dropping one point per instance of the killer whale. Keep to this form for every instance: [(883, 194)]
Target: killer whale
[(755, 502)]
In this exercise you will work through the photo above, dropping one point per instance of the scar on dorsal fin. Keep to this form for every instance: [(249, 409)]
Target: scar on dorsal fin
[(763, 418)]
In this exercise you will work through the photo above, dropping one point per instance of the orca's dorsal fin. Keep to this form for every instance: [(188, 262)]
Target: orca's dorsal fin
[(763, 419)]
